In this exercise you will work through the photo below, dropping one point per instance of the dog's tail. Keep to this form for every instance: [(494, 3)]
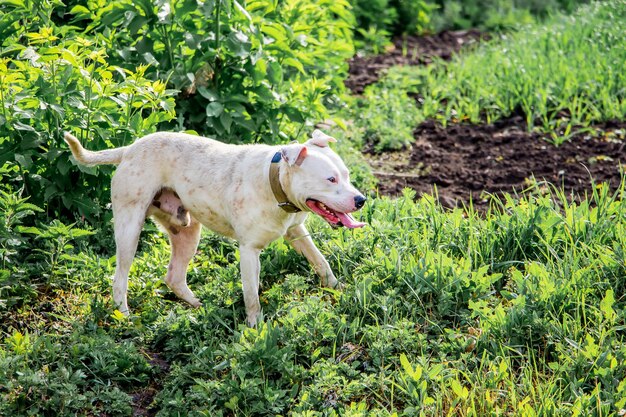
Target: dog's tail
[(85, 157)]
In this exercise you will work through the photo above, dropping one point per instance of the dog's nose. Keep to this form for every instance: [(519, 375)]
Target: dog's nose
[(359, 201)]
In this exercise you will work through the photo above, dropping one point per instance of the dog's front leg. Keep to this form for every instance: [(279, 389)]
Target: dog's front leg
[(301, 241), (250, 271)]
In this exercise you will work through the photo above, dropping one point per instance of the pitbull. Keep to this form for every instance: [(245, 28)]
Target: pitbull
[(251, 193)]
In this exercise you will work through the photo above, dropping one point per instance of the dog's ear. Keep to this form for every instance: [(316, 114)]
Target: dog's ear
[(294, 154), (321, 139)]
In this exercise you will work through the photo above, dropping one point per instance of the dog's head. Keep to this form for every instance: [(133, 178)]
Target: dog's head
[(317, 180)]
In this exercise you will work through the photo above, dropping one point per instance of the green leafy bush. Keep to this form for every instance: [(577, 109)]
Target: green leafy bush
[(83, 373), (379, 20), (247, 72), (52, 80), (30, 255), (396, 17), (271, 70)]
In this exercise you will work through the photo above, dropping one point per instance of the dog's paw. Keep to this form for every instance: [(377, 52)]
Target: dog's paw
[(339, 286), (332, 282)]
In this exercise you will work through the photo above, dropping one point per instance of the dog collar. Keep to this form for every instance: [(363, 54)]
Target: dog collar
[(277, 189)]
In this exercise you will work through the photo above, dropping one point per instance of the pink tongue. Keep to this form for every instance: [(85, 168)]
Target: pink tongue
[(348, 221)]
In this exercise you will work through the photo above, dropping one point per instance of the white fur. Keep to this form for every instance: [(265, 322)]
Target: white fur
[(225, 188)]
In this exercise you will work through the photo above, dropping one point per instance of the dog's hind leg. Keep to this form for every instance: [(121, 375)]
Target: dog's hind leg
[(184, 242), (131, 194), (128, 224)]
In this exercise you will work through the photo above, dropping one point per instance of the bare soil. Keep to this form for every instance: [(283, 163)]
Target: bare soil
[(409, 50), (471, 162), (474, 161), (143, 397)]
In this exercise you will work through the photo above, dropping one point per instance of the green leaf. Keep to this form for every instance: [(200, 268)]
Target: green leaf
[(294, 63), (606, 305), (208, 93), (226, 121), (238, 44), (416, 373), (275, 31), (214, 109), (275, 73), (459, 390), (150, 59), (138, 24), (242, 11)]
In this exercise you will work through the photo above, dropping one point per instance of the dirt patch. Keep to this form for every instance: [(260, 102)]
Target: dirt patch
[(469, 161), (473, 161), (143, 397), (409, 50)]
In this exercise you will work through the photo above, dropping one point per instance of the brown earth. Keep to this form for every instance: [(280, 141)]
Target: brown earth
[(473, 161), (409, 50), (143, 397)]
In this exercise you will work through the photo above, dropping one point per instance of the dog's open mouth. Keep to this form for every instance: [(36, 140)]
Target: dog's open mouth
[(333, 217)]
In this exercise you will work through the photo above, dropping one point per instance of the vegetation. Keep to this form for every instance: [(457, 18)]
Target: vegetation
[(386, 115), (380, 20), (496, 14), (259, 80), (560, 76), (517, 311)]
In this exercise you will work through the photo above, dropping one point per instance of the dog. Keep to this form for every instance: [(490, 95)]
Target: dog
[(251, 193)]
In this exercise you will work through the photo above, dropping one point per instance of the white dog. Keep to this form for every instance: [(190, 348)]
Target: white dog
[(251, 193)]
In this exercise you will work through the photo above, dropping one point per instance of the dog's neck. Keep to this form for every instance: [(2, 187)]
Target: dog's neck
[(277, 188)]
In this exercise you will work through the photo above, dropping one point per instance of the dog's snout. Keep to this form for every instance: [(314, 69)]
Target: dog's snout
[(359, 201)]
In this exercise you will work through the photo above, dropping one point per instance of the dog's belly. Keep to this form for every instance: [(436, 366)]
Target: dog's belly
[(211, 220)]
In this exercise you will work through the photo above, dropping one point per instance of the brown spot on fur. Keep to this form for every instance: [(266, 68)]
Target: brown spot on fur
[(173, 230)]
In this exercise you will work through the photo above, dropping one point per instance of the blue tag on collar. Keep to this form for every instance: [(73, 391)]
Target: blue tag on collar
[(276, 158)]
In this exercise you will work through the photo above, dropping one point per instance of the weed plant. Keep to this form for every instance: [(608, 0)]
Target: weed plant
[(386, 115), (519, 311), (566, 74), (253, 71)]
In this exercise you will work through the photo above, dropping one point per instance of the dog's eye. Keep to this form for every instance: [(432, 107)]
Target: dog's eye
[(332, 179)]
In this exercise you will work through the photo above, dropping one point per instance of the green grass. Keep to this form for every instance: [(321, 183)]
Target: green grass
[(492, 15), (567, 73), (385, 115), (517, 312)]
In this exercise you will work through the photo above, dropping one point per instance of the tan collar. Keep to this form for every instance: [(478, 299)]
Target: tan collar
[(277, 189)]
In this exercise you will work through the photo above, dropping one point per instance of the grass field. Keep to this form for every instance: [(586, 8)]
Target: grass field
[(517, 311)]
